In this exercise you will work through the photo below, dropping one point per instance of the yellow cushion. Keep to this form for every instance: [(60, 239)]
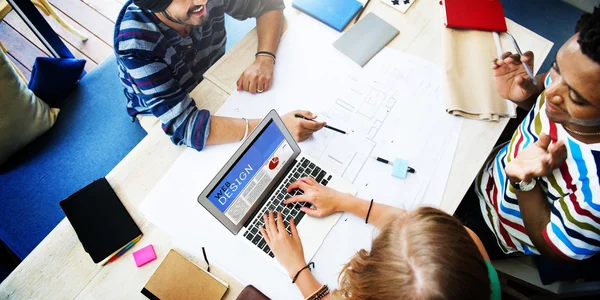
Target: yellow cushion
[(23, 116)]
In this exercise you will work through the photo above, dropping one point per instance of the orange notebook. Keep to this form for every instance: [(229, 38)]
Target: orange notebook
[(485, 15)]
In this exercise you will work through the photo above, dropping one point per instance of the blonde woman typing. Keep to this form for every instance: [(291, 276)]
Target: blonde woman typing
[(420, 254)]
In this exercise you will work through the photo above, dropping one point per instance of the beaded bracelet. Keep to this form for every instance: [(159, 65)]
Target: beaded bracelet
[(320, 293)]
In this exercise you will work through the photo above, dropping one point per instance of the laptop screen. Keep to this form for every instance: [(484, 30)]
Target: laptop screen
[(248, 178)]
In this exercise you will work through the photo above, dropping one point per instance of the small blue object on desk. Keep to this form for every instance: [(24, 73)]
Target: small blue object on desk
[(334, 13), (400, 168)]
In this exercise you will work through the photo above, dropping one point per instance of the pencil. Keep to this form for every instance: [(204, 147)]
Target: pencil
[(385, 161), (525, 65), (362, 9), (326, 126)]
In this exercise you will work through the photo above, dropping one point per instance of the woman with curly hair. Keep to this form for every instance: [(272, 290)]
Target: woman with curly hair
[(420, 254)]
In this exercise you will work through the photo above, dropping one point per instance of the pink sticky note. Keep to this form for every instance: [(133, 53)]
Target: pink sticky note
[(144, 255)]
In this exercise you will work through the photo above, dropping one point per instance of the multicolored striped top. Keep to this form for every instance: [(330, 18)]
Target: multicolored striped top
[(572, 190), (159, 68)]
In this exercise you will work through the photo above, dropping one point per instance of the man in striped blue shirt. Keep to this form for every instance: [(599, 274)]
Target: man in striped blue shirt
[(163, 48)]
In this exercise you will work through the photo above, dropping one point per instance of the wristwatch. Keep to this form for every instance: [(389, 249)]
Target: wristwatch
[(523, 186)]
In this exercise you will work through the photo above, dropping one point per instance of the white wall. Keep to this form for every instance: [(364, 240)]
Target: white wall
[(585, 5)]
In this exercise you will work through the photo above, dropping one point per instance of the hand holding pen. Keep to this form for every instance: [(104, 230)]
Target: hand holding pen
[(511, 78), (525, 65), (326, 126)]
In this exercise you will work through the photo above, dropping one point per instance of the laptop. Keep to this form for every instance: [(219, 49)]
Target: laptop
[(255, 180)]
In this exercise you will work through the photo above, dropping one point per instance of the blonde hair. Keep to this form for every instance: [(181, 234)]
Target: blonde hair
[(425, 254)]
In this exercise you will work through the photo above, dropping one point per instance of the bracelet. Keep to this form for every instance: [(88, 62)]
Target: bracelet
[(369, 212), (245, 132), (310, 264), (266, 53), (320, 293)]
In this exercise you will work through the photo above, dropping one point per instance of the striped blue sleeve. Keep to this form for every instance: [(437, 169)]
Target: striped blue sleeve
[(153, 83), (574, 230)]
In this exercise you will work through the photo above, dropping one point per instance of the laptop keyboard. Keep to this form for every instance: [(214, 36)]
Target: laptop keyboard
[(304, 168)]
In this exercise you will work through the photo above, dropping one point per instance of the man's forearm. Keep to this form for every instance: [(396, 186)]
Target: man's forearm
[(269, 27), (535, 212), (224, 130)]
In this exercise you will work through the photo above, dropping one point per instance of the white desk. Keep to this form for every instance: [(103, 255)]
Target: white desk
[(420, 35)]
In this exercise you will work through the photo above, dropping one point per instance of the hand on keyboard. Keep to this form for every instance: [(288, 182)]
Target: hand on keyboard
[(325, 201), (286, 246)]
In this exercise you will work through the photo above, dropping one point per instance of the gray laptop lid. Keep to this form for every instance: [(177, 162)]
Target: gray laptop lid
[(366, 38), (244, 183)]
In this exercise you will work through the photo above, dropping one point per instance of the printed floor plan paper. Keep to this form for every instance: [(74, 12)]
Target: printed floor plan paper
[(393, 107)]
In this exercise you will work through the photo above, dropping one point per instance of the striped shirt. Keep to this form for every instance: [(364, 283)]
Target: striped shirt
[(159, 68), (572, 191)]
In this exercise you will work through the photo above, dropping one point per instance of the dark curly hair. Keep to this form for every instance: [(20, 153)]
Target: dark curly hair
[(588, 27)]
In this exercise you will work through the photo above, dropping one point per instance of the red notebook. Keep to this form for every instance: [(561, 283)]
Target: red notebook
[(485, 15)]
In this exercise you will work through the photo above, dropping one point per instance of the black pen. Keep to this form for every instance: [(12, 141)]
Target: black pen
[(385, 161), (362, 9), (326, 126)]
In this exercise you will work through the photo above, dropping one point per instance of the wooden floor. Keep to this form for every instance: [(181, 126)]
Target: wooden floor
[(95, 18)]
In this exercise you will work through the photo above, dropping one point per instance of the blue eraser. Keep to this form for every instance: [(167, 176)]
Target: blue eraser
[(400, 168)]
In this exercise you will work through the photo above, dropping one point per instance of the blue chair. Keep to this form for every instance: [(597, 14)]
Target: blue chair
[(236, 30), (91, 135)]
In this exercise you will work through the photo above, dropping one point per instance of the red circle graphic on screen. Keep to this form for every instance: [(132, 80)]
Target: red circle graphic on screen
[(273, 163)]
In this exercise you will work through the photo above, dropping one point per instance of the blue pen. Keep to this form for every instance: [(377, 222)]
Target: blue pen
[(527, 68)]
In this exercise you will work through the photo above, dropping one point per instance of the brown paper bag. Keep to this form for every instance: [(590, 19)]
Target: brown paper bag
[(469, 82)]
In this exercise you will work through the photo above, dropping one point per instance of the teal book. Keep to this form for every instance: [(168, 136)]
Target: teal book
[(334, 13)]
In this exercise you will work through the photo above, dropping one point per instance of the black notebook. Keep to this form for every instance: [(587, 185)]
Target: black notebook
[(103, 225)]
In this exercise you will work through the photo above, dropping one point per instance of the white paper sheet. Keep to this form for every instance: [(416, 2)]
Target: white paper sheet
[(391, 108)]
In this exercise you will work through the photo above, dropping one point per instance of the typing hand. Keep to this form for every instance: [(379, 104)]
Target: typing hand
[(510, 77), (286, 247), (258, 76), (299, 128), (537, 160), (326, 201)]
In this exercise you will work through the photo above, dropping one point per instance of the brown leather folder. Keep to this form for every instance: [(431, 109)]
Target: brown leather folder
[(178, 278)]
